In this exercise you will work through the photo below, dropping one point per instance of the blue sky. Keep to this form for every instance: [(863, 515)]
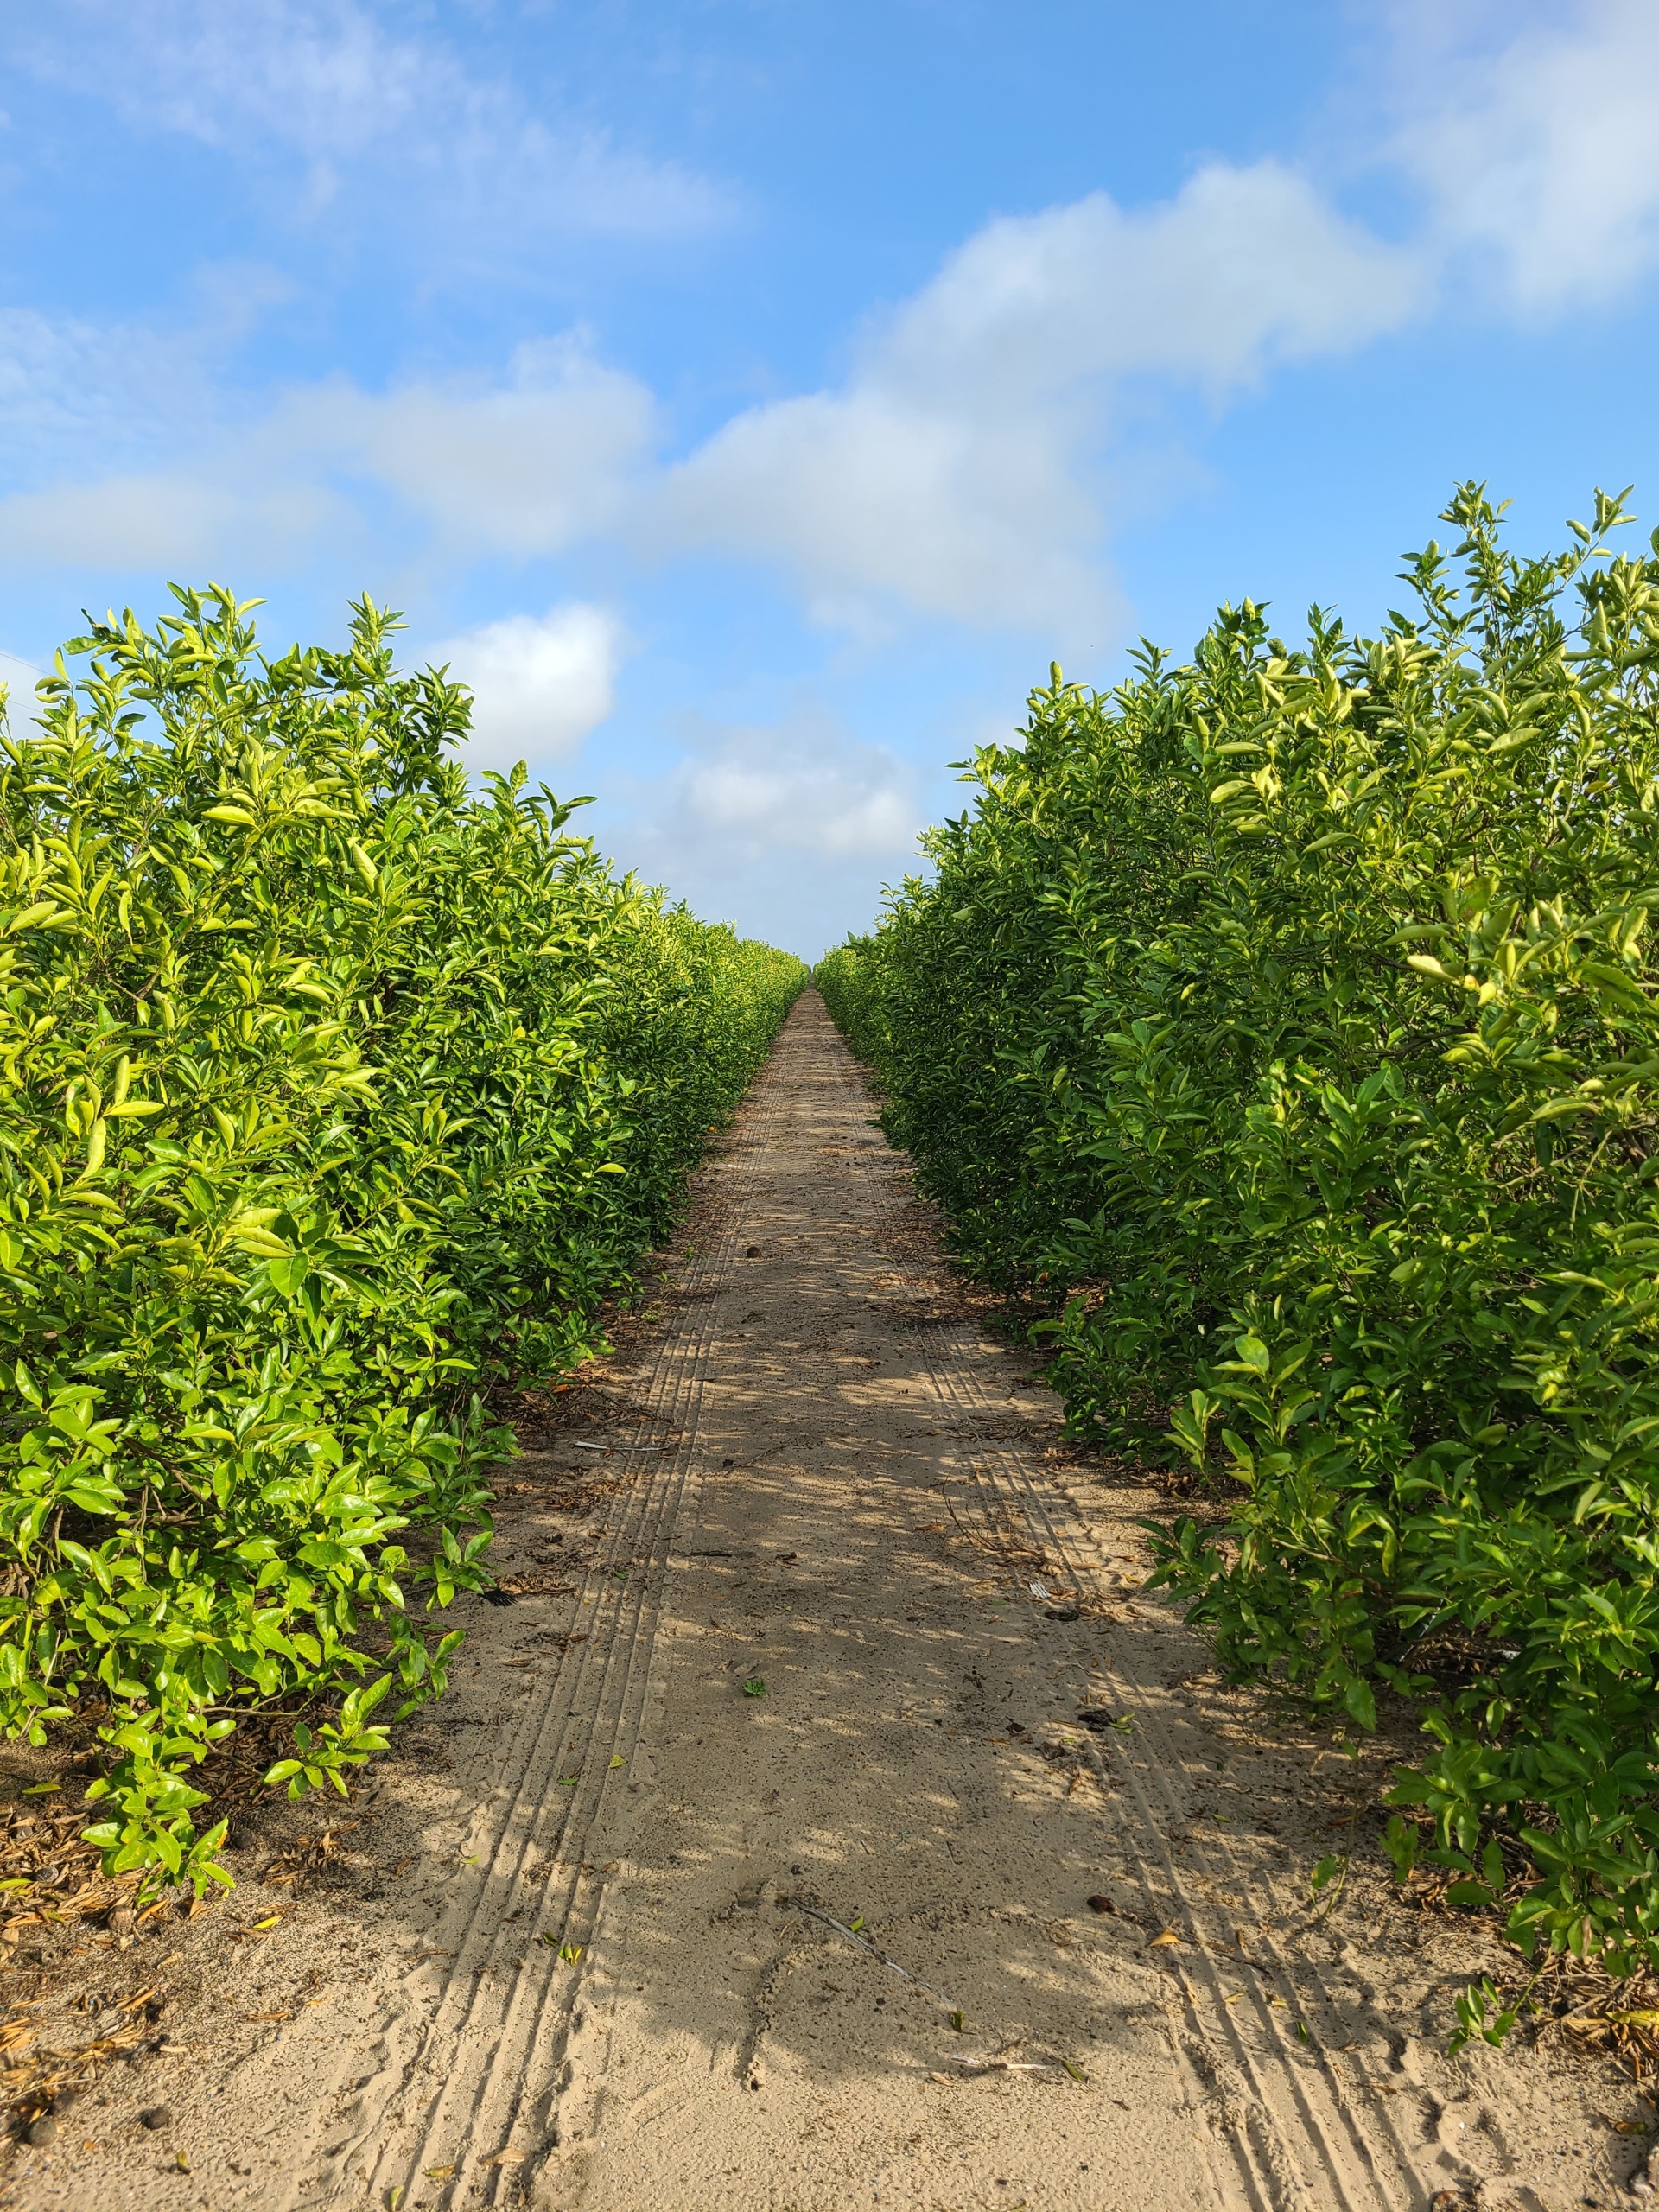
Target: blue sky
[(752, 397)]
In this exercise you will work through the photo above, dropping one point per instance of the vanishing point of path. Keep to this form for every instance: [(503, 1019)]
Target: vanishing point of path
[(758, 1857)]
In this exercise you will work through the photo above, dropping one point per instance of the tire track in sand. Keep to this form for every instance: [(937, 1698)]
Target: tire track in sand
[(1305, 2140), (465, 2093), (516, 2050), (820, 1409)]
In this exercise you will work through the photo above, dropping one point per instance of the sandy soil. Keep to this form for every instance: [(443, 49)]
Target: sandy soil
[(759, 1857)]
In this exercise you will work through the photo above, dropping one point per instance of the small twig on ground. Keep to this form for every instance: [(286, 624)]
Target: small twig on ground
[(954, 2012)]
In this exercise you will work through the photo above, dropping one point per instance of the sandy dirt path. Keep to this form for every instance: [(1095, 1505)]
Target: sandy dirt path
[(759, 1857)]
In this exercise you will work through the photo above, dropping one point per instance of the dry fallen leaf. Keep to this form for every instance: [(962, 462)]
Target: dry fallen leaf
[(437, 2173), (1168, 1936)]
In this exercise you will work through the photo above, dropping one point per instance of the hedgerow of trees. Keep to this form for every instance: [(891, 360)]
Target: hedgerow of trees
[(1287, 1017), (331, 1089)]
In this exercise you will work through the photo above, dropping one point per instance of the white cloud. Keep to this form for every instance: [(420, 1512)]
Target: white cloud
[(1244, 267), (959, 472), (169, 523), (953, 475), (952, 472), (324, 83), (787, 829), (802, 786), (868, 496), (538, 686), (522, 464), (71, 389), (1542, 155)]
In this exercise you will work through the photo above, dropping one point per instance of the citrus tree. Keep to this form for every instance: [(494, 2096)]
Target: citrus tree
[(331, 1089), (1287, 1018)]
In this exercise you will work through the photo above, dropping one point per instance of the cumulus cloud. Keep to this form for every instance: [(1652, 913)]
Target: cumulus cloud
[(952, 472), (788, 829), (326, 84), (119, 445), (802, 786), (540, 685), (170, 523), (522, 464), (1541, 154), (959, 472), (1244, 267)]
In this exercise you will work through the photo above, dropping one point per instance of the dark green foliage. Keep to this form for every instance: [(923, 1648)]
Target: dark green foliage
[(330, 1090), (1289, 1017)]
